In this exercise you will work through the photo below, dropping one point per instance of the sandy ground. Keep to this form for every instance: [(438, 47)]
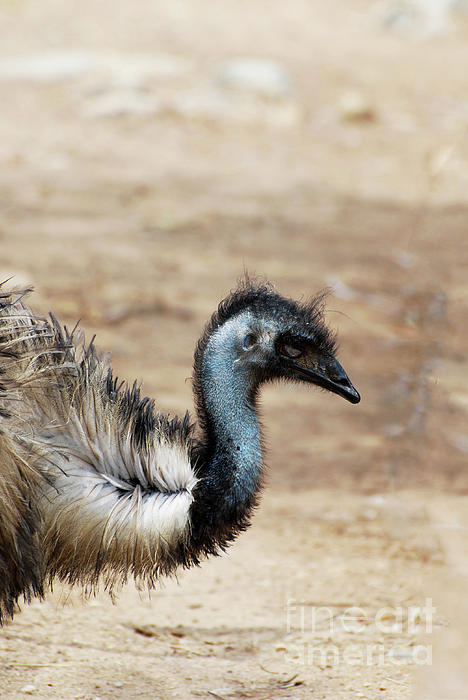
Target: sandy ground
[(135, 187), (307, 605)]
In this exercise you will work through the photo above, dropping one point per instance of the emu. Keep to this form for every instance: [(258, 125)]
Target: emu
[(95, 485)]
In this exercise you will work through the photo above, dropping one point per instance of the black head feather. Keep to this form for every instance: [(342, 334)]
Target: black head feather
[(306, 318)]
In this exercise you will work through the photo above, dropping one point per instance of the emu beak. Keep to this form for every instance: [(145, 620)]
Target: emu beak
[(330, 375)]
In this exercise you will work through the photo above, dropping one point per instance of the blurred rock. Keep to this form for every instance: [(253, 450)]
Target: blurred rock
[(438, 160), (340, 289), (403, 259), (369, 514), (117, 103), (261, 76), (133, 70), (393, 430), (421, 16), (200, 104), (208, 105), (399, 655), (193, 104), (47, 67), (460, 442), (116, 69), (354, 107)]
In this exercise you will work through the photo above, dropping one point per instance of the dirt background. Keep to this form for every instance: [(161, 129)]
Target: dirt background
[(143, 168)]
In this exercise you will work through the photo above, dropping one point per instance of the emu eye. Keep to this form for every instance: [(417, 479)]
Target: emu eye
[(249, 341), (290, 351)]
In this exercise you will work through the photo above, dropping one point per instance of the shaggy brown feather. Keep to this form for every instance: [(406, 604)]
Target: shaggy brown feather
[(93, 482)]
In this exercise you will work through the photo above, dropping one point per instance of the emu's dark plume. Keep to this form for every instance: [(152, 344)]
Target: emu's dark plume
[(96, 485)]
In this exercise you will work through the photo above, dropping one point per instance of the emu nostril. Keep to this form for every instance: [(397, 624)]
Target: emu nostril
[(338, 377), (344, 381)]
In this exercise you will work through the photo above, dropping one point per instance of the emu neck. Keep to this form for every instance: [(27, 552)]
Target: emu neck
[(233, 459)]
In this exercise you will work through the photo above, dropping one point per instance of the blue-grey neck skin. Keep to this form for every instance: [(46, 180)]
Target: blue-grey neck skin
[(229, 385)]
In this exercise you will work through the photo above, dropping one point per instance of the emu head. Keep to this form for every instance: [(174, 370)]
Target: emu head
[(270, 337)]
